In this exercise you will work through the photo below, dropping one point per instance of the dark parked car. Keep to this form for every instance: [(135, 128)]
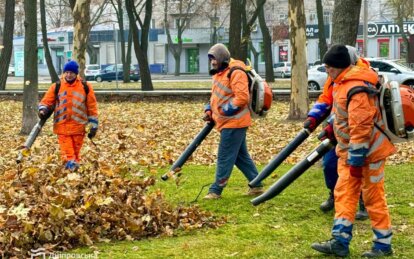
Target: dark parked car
[(109, 73)]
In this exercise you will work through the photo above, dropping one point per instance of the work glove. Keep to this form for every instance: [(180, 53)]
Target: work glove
[(208, 116), (328, 133), (355, 171), (92, 133), (43, 113), (310, 123), (229, 109)]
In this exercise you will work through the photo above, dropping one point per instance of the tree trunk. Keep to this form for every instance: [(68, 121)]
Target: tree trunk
[(81, 17), (52, 72), (117, 4), (141, 43), (7, 42), (129, 48), (267, 47), (255, 56), (236, 9), (30, 88), (345, 22), (299, 100), (93, 55), (321, 30)]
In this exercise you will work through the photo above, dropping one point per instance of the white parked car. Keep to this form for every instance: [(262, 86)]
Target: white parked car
[(91, 71), (394, 70), (316, 77), (282, 69)]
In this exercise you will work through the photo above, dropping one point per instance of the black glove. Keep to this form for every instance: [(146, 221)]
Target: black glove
[(92, 133), (43, 114)]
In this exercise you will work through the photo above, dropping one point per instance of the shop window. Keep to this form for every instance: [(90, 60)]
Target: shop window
[(40, 56), (261, 55), (283, 53), (383, 48)]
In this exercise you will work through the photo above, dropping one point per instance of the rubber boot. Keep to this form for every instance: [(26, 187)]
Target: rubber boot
[(329, 204), (331, 247)]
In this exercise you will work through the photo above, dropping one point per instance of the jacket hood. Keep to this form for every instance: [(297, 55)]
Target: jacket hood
[(220, 53), (361, 74)]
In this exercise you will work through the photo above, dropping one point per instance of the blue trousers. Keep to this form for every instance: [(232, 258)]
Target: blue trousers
[(232, 151), (330, 169)]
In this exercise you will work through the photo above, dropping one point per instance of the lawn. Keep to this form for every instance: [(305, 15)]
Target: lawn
[(283, 227)]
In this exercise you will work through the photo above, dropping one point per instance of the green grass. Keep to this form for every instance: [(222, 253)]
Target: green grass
[(283, 227), (167, 84)]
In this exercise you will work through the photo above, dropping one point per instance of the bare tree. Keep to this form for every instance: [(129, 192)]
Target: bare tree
[(186, 10), (53, 75), (59, 13), (213, 13), (141, 41), (239, 41), (7, 44), (345, 21), (321, 29), (97, 11), (299, 100), (267, 47), (81, 29), (30, 88), (404, 12), (125, 57)]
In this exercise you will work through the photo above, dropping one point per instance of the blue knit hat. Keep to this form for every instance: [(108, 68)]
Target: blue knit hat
[(71, 66)]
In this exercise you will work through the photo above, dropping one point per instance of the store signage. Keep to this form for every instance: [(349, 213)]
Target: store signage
[(386, 29), (184, 39), (313, 30)]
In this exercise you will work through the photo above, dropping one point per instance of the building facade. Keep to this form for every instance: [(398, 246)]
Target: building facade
[(208, 20)]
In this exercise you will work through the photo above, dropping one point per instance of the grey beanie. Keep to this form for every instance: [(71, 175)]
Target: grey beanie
[(353, 54), (220, 53)]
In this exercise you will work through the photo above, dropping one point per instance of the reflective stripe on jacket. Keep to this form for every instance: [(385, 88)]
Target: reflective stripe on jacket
[(73, 109), (234, 90), (354, 125)]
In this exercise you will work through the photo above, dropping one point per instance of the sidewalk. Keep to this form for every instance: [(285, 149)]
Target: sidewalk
[(155, 77)]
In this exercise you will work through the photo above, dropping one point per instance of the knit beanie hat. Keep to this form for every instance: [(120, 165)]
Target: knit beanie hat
[(353, 54), (71, 66), (220, 53), (337, 57)]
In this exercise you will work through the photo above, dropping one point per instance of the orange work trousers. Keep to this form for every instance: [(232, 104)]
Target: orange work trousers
[(348, 189), (70, 146)]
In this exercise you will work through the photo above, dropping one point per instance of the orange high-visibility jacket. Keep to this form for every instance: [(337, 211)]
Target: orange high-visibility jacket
[(235, 90), (73, 109), (354, 125)]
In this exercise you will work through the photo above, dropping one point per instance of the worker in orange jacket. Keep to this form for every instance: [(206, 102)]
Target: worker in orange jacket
[(74, 107), (229, 109), (362, 150), (319, 111)]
